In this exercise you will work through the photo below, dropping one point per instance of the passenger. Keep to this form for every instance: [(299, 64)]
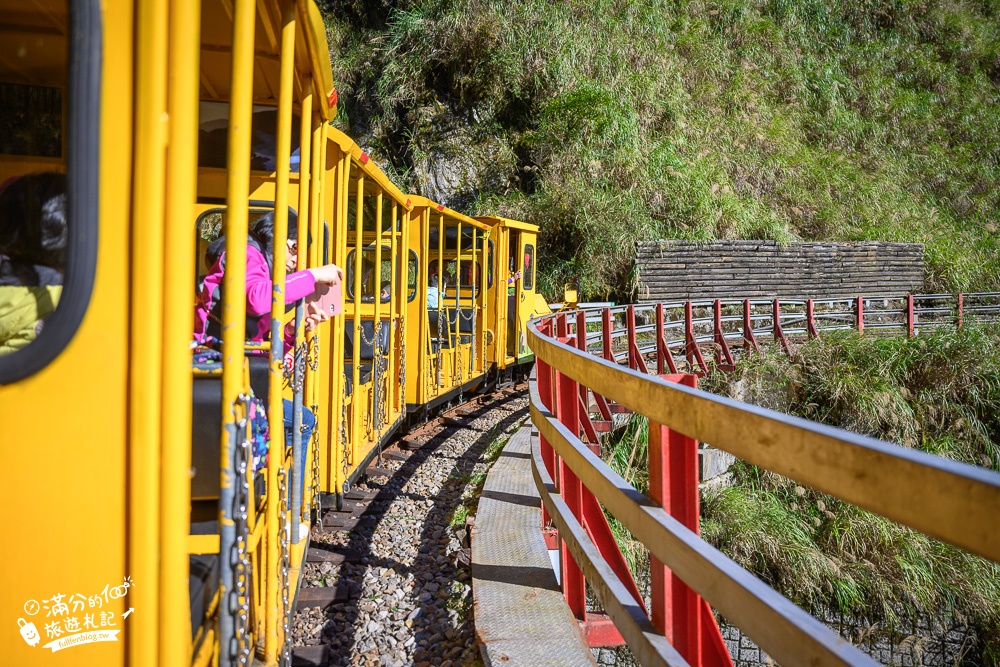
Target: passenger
[(33, 239), (384, 292), (432, 291), (298, 284), (367, 282)]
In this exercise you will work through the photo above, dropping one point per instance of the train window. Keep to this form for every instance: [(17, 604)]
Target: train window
[(489, 264), (210, 225), (472, 276), (368, 278), (31, 120), (412, 273), (213, 137), (529, 267), (49, 220)]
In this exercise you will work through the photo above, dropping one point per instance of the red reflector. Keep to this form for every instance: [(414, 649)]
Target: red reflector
[(331, 100), (408, 203), (364, 158), (440, 207)]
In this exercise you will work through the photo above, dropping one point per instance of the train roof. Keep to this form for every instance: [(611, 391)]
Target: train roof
[(312, 55), (507, 222)]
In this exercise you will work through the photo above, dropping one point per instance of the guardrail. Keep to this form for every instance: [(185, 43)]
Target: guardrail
[(580, 372)]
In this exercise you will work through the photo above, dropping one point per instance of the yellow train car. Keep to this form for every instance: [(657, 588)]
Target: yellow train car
[(188, 149), (518, 300)]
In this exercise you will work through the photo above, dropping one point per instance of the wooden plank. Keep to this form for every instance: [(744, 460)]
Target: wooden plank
[(311, 656), (396, 455), (375, 471), (317, 555), (320, 596)]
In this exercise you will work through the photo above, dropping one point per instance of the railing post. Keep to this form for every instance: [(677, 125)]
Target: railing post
[(860, 313), (567, 404), (909, 315), (673, 483), (749, 340), (661, 352), (723, 357), (961, 307), (776, 331), (691, 349), (689, 341), (543, 375), (606, 331), (811, 319), (630, 326)]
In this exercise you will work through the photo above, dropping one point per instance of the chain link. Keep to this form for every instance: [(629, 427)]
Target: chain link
[(283, 541), (343, 435), (239, 600)]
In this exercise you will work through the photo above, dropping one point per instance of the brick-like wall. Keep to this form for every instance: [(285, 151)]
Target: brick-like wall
[(677, 270)]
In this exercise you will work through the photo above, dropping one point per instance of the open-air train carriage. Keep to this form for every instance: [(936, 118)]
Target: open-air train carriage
[(178, 124)]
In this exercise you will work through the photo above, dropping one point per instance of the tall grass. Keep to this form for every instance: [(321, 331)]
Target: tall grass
[(940, 393), (628, 120)]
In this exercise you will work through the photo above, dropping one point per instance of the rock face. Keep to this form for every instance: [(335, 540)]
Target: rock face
[(454, 161)]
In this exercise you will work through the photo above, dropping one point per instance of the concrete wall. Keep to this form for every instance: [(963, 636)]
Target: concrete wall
[(678, 270)]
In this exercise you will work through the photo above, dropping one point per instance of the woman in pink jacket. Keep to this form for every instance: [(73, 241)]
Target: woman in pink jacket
[(298, 284)]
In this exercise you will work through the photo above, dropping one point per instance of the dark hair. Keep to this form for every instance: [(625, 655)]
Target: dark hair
[(33, 228), (261, 233)]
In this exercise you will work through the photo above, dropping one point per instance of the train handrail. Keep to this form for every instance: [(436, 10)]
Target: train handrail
[(950, 501)]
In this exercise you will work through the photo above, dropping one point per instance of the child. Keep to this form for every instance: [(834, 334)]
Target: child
[(33, 237)]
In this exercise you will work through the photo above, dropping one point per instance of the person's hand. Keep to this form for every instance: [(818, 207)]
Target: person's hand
[(314, 315), (330, 274)]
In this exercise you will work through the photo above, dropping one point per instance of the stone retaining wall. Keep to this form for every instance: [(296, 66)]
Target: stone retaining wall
[(925, 642), (678, 270)]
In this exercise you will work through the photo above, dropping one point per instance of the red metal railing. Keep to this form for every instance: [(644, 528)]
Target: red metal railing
[(584, 377)]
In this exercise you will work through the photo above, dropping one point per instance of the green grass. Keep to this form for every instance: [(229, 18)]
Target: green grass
[(628, 120), (939, 392)]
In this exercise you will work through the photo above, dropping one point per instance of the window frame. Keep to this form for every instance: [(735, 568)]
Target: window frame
[(415, 258), (82, 151), (529, 280)]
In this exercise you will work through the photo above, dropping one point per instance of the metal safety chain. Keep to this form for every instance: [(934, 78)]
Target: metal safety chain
[(313, 361), (343, 436), (379, 368), (283, 540), (474, 330), (239, 592)]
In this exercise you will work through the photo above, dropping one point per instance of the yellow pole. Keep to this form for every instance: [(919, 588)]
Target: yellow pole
[(234, 285), (315, 252), (442, 320), (276, 418), (396, 287), (179, 267), (341, 194), (147, 328), (356, 403), (459, 352), (377, 413)]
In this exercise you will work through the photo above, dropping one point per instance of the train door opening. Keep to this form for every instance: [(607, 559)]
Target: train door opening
[(513, 287)]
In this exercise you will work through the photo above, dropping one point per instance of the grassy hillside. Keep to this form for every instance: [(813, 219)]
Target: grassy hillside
[(607, 121)]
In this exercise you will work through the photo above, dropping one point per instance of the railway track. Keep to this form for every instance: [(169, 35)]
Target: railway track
[(387, 580)]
